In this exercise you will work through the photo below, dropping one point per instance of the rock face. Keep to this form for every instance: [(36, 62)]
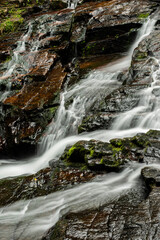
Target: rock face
[(42, 183), (93, 28), (30, 97), (151, 176), (134, 215), (122, 219), (112, 156), (97, 30)]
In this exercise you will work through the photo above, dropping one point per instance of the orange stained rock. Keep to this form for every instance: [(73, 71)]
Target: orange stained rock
[(37, 94)]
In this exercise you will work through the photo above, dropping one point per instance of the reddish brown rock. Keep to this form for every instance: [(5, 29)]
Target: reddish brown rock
[(38, 94), (42, 63), (29, 111)]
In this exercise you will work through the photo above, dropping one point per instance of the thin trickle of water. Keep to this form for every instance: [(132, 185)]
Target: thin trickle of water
[(27, 47), (72, 3), (147, 114), (18, 61), (145, 30)]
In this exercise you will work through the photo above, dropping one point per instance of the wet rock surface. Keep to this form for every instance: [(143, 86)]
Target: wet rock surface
[(42, 183), (63, 36), (96, 28), (151, 176), (60, 36), (140, 76), (121, 219), (29, 111), (134, 213), (97, 155), (84, 161), (131, 216)]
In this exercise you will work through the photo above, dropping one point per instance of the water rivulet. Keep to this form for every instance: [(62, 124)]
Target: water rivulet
[(30, 219)]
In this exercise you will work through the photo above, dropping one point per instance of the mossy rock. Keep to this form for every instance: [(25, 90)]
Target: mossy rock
[(141, 55), (75, 154), (153, 134), (95, 155), (12, 19), (143, 15)]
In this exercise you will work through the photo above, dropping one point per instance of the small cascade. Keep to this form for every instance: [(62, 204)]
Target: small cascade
[(144, 31), (87, 92), (75, 102), (18, 61), (147, 114), (72, 4), (24, 55)]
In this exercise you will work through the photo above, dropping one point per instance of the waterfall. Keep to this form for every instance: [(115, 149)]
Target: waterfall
[(75, 102), (82, 96), (88, 91), (31, 218)]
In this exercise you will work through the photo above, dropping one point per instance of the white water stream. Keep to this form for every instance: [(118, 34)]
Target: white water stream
[(30, 219)]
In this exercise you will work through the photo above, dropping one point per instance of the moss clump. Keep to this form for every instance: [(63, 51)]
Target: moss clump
[(141, 56), (118, 146), (76, 154), (117, 36), (102, 161), (84, 168), (12, 21), (143, 15), (113, 163), (88, 49), (116, 142), (153, 133), (140, 141), (53, 110)]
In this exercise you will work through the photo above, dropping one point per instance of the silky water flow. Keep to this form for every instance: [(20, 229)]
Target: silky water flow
[(29, 219)]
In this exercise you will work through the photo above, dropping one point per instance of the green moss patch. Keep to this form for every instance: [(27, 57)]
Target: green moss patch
[(12, 20), (143, 15), (75, 154)]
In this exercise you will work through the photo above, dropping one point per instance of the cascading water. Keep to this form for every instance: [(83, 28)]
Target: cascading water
[(18, 60), (87, 92), (24, 55), (30, 219), (82, 96)]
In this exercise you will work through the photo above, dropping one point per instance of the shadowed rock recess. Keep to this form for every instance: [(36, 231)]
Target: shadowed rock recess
[(46, 46)]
